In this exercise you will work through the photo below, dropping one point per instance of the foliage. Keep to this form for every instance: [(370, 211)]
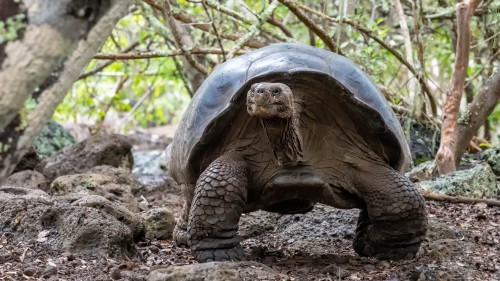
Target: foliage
[(157, 89), (52, 139)]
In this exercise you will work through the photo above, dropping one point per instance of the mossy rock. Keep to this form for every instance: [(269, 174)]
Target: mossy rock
[(476, 182), (492, 156)]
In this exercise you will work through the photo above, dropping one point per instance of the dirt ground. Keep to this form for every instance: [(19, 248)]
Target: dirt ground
[(462, 244)]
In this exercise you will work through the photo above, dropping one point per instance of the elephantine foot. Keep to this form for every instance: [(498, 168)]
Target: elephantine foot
[(385, 243)]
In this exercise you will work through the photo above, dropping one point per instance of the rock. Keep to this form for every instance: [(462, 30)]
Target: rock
[(28, 179), (30, 214), (423, 172), (122, 214), (113, 150), (29, 161), (159, 223), (12, 197), (105, 185), (492, 156), (476, 182), (122, 176), (217, 271), (424, 138)]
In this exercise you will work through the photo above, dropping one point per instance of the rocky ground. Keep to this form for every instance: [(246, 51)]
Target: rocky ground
[(92, 220)]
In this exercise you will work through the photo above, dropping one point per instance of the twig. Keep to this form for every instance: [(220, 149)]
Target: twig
[(427, 194), (280, 25), (254, 29), (136, 105), (108, 63), (238, 16), (318, 30), (396, 54), (215, 30), (160, 54), (449, 13), (118, 87), (185, 19), (167, 13)]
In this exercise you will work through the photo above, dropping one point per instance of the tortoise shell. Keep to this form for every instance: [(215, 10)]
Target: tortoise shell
[(221, 97)]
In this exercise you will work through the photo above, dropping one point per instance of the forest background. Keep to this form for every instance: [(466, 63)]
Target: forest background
[(436, 62)]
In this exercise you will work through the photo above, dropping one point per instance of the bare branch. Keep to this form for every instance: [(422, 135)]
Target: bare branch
[(215, 30), (184, 18), (409, 54), (395, 53), (167, 12), (160, 54), (445, 157), (238, 16), (254, 29), (318, 30), (108, 63), (429, 195)]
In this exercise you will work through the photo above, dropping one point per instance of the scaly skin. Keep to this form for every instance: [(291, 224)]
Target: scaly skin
[(394, 222), (219, 197), (392, 225)]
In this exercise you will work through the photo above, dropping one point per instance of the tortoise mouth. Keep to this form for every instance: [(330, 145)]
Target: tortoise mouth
[(270, 110)]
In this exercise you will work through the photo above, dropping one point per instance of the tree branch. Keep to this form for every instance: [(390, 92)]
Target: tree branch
[(108, 63), (395, 53), (429, 195), (409, 55), (254, 29), (318, 30), (204, 27), (181, 44), (160, 54), (477, 111), (214, 27), (238, 16), (445, 157)]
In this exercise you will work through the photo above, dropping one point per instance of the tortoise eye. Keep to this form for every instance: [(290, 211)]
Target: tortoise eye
[(276, 92)]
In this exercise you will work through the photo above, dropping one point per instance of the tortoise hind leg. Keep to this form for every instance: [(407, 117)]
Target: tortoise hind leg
[(394, 222), (217, 205)]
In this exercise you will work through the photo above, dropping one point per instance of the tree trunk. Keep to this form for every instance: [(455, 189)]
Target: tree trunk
[(60, 39), (477, 112), (445, 157)]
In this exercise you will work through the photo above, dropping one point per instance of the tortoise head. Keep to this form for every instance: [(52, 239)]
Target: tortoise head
[(270, 100)]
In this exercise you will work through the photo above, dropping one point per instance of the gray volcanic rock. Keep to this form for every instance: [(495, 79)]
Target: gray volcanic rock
[(217, 271), (29, 179), (31, 214), (113, 150), (159, 223), (105, 185)]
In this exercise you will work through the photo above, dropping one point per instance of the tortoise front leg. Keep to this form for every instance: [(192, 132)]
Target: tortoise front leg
[(394, 222), (219, 198)]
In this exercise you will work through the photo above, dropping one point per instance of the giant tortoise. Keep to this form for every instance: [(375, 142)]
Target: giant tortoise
[(280, 129)]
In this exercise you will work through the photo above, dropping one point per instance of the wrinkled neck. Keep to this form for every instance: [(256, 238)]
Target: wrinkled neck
[(285, 139)]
